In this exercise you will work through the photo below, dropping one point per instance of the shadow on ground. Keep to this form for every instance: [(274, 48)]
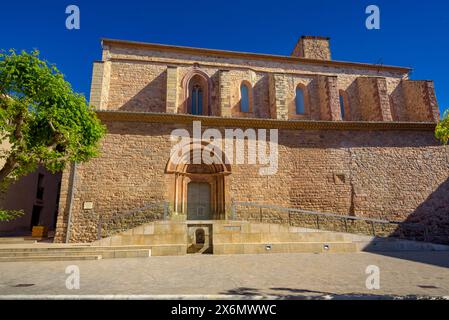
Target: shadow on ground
[(304, 294), (434, 258)]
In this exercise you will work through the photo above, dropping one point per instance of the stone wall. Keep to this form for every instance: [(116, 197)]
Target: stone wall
[(373, 99), (311, 47), (136, 78), (420, 101), (389, 174)]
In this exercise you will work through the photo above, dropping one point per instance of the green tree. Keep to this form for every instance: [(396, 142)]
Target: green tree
[(442, 130), (42, 121)]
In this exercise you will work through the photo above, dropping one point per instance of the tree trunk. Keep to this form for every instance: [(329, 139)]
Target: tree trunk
[(11, 161), (7, 169)]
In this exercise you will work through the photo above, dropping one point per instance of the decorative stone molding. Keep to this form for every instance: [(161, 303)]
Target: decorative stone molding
[(263, 123), (184, 171), (206, 84)]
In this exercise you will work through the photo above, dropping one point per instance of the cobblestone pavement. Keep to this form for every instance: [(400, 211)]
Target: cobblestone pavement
[(274, 275)]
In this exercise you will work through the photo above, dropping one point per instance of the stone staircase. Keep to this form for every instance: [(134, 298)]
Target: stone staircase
[(256, 238), (229, 237), (240, 237), (171, 238), (164, 238)]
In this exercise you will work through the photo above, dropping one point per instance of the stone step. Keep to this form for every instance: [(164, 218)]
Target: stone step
[(285, 247), (50, 258), (106, 254), (169, 250), (16, 240), (68, 248), (144, 239)]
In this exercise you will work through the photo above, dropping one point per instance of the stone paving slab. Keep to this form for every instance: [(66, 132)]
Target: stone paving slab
[(406, 274)]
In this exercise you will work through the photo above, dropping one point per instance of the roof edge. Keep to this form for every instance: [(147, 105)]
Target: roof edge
[(251, 55)]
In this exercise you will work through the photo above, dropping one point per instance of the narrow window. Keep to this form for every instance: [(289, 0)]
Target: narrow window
[(342, 107), (244, 100), (300, 102), (197, 100), (40, 187)]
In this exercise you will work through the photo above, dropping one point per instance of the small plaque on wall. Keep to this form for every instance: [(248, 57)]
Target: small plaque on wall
[(88, 205)]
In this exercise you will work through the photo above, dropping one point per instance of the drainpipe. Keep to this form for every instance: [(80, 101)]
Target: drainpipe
[(72, 180)]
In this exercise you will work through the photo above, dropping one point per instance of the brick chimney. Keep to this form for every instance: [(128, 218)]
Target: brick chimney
[(311, 47)]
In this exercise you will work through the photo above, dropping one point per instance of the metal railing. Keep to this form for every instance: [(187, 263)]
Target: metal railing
[(250, 211)]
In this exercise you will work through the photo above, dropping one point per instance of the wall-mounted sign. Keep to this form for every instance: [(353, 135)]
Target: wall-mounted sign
[(88, 205)]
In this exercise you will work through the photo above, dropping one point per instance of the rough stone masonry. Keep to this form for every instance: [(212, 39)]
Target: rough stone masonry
[(354, 139)]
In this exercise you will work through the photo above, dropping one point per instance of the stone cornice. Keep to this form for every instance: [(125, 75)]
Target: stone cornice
[(153, 117), (248, 55)]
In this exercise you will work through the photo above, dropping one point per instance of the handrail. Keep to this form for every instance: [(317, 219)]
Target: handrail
[(317, 214), (102, 221), (148, 206), (334, 215)]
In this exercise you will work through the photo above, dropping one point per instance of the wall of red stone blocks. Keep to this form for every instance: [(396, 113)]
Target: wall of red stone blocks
[(136, 80), (396, 175)]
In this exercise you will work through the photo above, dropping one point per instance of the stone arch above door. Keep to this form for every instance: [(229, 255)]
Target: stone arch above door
[(185, 170)]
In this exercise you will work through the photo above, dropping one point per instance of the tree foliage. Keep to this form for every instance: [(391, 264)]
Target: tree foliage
[(8, 215), (42, 121), (442, 130)]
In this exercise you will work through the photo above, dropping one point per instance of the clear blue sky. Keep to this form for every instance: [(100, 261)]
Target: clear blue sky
[(412, 33)]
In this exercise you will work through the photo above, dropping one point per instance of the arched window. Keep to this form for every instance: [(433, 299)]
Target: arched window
[(300, 100), (244, 98), (197, 100), (197, 93)]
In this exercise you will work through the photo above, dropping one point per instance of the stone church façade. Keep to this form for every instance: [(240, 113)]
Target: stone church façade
[(354, 138)]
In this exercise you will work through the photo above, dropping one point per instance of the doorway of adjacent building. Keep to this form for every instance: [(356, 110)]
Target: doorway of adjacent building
[(198, 201), (35, 216)]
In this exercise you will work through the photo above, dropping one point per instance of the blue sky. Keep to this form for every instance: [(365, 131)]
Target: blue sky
[(413, 34)]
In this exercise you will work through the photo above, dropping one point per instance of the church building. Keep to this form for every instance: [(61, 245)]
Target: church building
[(353, 139)]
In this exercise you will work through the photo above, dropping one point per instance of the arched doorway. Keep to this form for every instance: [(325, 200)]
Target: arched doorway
[(198, 191)]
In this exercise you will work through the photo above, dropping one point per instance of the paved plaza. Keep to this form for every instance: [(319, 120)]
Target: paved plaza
[(274, 276)]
